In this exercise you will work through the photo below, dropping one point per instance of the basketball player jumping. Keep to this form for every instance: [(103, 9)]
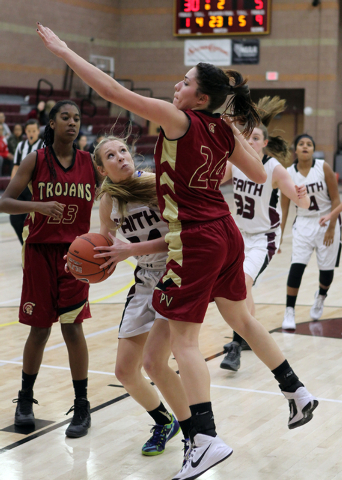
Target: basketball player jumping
[(191, 154)]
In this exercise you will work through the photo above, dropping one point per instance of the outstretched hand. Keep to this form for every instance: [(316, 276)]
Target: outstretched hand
[(51, 41)]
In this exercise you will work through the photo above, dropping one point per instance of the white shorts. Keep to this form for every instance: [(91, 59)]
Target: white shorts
[(307, 236), (139, 315), (259, 250)]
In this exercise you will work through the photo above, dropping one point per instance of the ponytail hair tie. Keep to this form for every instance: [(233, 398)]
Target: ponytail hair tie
[(242, 90)]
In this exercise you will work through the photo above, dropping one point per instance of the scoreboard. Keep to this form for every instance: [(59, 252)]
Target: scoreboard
[(221, 17)]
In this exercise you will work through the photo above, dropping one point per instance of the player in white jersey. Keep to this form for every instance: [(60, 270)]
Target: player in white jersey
[(258, 211), (129, 205), (307, 234)]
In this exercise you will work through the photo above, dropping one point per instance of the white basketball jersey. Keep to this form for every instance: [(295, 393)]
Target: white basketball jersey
[(142, 223), (320, 203), (257, 205)]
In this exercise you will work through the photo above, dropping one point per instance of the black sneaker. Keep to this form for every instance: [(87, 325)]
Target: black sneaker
[(24, 416), (232, 360), (244, 346), (81, 420)]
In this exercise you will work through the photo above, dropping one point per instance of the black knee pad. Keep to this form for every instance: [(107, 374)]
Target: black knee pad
[(326, 277), (295, 275)]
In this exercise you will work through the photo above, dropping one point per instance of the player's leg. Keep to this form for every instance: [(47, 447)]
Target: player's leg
[(207, 449), (327, 259), (259, 250), (37, 311), (128, 371), (73, 308), (78, 360), (231, 360), (156, 363), (303, 244), (237, 316), (32, 359), (137, 321)]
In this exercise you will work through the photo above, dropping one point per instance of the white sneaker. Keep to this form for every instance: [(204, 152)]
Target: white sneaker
[(302, 404), (317, 308), (289, 322), (205, 453)]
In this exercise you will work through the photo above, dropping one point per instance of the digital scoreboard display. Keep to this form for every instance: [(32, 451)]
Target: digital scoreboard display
[(222, 17)]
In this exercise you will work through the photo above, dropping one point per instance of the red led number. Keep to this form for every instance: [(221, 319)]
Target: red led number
[(191, 5), (259, 19), (259, 5)]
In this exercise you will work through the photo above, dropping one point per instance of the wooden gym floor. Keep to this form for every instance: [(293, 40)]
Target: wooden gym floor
[(251, 413)]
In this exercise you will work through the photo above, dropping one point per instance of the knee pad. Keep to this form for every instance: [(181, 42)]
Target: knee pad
[(295, 275), (326, 277)]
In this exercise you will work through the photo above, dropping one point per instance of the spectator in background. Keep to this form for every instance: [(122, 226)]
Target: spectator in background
[(25, 147), (5, 156), (82, 143), (15, 138), (98, 139), (41, 112), (7, 131)]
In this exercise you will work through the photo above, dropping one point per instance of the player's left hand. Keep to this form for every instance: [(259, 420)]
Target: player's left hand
[(117, 252), (51, 41), (329, 237)]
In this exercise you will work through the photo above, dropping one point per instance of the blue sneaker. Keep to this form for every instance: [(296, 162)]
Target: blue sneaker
[(160, 435)]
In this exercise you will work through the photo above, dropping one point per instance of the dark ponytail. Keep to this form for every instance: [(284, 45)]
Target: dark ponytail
[(49, 135), (217, 84), (277, 147)]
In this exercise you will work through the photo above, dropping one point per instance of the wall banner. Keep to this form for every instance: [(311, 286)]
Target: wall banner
[(217, 52), (245, 51)]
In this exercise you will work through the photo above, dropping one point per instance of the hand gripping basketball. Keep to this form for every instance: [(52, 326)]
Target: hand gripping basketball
[(81, 262)]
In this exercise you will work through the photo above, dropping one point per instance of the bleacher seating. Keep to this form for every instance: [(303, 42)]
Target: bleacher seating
[(24, 99)]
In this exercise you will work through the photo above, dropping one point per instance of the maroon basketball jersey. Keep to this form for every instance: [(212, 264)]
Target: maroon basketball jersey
[(74, 187), (190, 169)]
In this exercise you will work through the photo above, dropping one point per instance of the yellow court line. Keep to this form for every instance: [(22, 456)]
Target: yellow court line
[(118, 291), (6, 324)]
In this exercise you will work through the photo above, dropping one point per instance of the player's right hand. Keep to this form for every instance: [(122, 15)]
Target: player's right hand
[(51, 209), (323, 220), (51, 41)]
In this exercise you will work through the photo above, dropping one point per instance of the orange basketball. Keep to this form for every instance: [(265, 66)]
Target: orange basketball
[(81, 261)]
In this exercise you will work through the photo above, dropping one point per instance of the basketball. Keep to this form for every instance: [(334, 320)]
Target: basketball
[(81, 261)]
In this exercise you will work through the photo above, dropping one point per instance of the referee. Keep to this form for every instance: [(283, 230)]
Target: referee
[(25, 147)]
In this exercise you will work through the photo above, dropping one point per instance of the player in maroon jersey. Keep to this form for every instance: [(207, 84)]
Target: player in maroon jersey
[(63, 183), (205, 259)]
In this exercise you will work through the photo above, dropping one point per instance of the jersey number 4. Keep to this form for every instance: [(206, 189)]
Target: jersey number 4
[(313, 203), (246, 210)]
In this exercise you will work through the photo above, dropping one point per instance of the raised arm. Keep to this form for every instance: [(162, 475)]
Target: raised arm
[(9, 202), (174, 122), (282, 179)]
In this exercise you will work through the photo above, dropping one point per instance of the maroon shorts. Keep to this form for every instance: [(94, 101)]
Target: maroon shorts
[(49, 293), (205, 261)]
